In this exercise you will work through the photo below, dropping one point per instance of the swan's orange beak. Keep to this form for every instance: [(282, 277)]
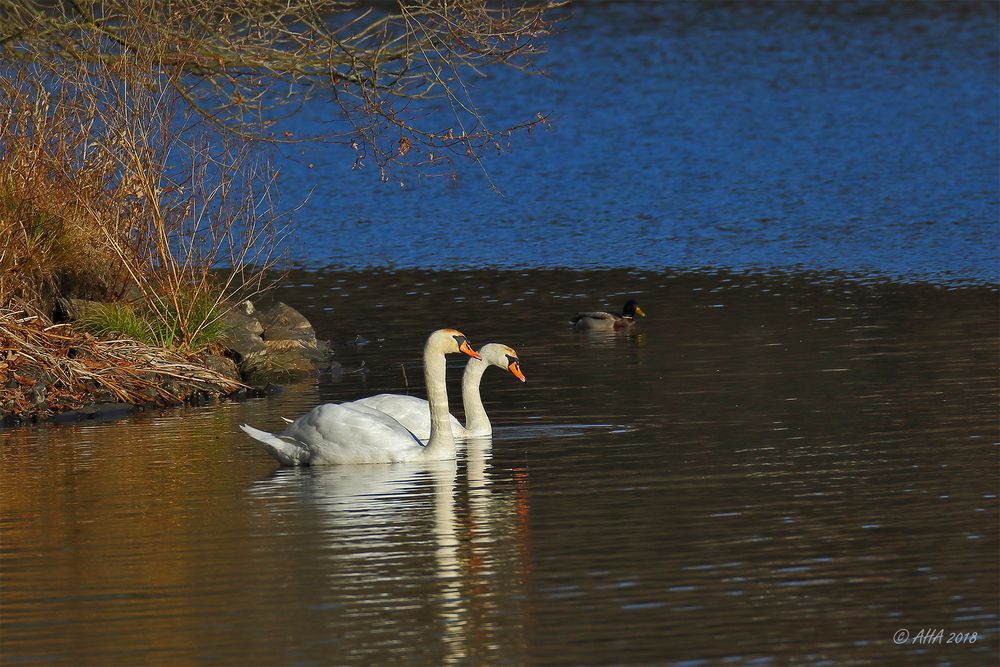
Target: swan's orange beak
[(466, 348), (515, 369)]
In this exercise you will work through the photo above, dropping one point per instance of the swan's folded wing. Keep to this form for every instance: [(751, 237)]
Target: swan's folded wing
[(412, 412), (351, 433)]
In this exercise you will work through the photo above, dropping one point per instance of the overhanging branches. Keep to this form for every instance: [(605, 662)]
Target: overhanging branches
[(246, 64)]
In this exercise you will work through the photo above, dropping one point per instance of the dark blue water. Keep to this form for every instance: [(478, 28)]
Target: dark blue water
[(861, 138)]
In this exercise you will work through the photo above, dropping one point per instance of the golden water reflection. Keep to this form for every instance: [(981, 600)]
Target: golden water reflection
[(766, 456)]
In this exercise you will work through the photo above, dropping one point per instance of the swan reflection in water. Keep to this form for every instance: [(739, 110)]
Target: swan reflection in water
[(380, 526)]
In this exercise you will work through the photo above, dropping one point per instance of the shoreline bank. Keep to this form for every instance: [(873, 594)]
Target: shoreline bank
[(53, 371)]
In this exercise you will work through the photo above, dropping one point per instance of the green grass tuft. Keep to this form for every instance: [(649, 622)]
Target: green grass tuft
[(126, 321), (163, 326)]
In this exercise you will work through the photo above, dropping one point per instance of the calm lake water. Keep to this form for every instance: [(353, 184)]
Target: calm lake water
[(778, 469), (792, 459)]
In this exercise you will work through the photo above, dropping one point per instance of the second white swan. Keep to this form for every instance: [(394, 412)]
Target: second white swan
[(414, 414)]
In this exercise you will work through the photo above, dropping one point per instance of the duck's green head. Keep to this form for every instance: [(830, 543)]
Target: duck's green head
[(632, 309)]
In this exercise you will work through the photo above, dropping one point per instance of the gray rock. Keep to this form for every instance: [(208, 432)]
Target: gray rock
[(244, 345), (222, 365), (267, 369), (313, 350), (291, 361), (246, 307), (241, 319), (282, 322), (243, 341), (277, 344)]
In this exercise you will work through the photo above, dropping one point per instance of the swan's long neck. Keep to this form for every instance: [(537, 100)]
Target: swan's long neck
[(441, 442), (475, 414)]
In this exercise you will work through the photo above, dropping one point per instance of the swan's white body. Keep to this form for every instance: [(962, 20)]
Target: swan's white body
[(410, 411), (352, 433), (414, 413)]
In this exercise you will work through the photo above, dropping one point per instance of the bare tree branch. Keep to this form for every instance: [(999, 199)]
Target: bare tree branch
[(246, 64)]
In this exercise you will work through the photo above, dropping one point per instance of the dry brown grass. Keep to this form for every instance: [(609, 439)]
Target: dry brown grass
[(58, 202), (50, 368), (108, 189)]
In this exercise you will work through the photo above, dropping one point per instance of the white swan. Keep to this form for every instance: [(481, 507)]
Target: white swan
[(352, 433), (413, 412)]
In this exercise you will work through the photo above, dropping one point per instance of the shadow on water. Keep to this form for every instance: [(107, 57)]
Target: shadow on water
[(764, 458)]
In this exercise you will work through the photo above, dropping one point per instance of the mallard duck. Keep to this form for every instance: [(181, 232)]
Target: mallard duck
[(601, 321), (352, 433), (413, 413)]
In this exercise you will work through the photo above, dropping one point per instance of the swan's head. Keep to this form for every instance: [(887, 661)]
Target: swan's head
[(504, 357), (632, 309), (452, 341)]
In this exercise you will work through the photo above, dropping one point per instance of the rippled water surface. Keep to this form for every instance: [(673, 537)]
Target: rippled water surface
[(851, 136), (792, 459), (783, 469)]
